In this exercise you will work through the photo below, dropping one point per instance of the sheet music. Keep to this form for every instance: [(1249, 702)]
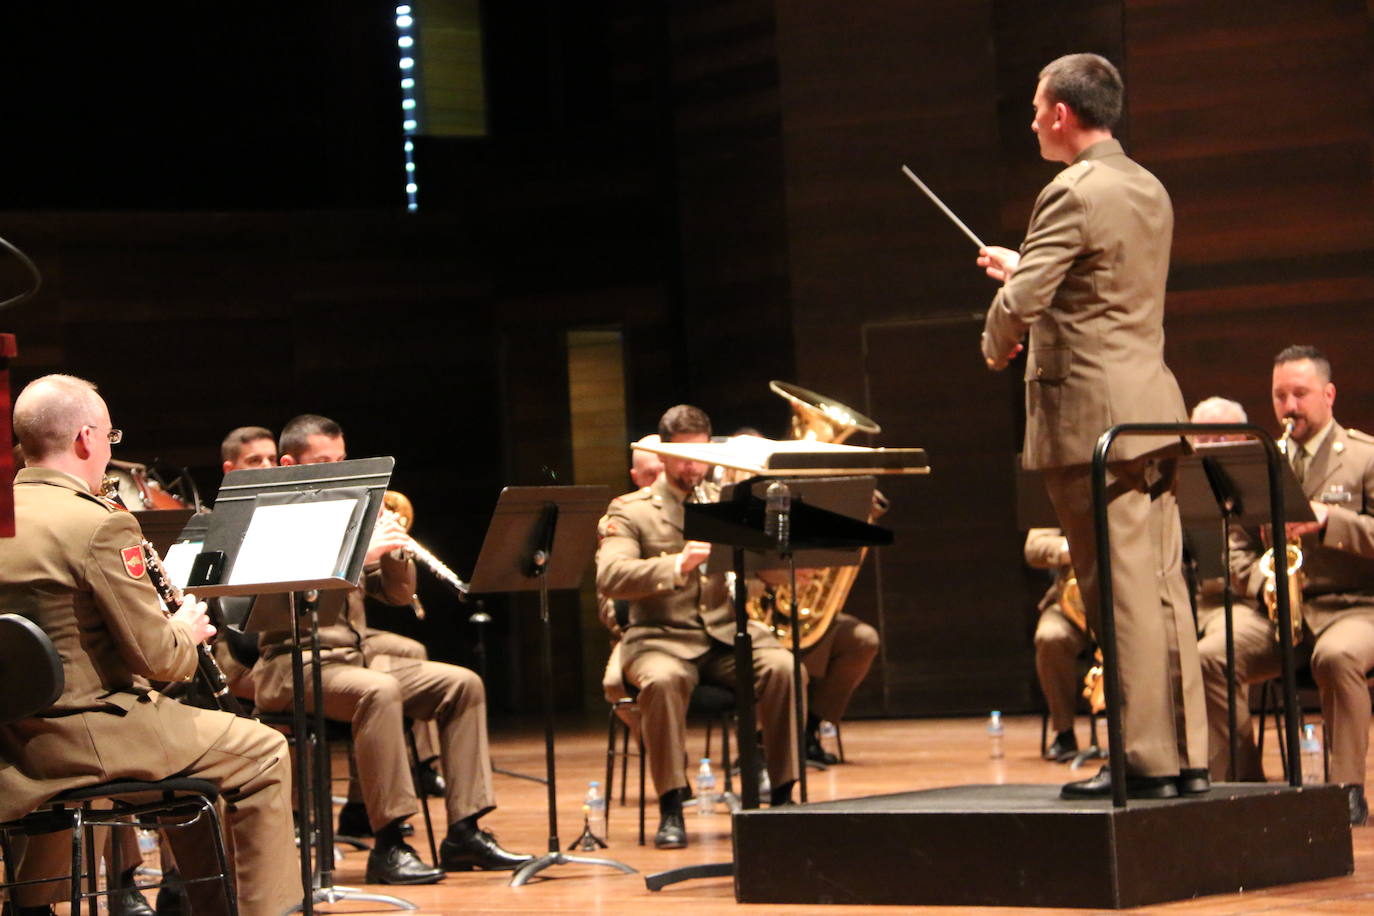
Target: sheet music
[(178, 561), (293, 541)]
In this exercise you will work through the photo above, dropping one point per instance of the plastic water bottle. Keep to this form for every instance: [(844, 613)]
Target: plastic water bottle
[(995, 735), (706, 787), (1311, 747), (595, 805)]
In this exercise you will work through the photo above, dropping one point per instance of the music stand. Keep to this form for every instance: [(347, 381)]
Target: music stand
[(740, 521), (542, 538), (278, 605), (1233, 477)]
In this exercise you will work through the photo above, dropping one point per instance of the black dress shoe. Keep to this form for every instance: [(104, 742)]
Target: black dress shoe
[(477, 849), (1100, 786), (1194, 781), (9, 909), (128, 901), (1064, 748), (353, 820), (428, 782), (399, 865), (672, 832), (1359, 808), (817, 753), (171, 898)]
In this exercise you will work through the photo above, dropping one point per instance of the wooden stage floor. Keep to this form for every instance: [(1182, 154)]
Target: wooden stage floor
[(884, 756)]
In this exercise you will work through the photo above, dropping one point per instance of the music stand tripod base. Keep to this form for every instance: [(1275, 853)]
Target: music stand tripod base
[(660, 880), (337, 893), (533, 867)]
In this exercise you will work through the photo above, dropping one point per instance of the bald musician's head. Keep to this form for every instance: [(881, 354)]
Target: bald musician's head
[(645, 466), (62, 423), (1218, 410)]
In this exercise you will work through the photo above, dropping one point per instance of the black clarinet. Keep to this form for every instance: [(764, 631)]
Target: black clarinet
[(210, 671)]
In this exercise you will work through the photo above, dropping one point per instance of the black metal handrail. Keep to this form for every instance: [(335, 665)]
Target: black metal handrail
[(1107, 618)]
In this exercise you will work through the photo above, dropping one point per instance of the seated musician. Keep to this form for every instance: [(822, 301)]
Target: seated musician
[(681, 628), (374, 691), (75, 569), (1335, 467), (1250, 628), (1060, 637)]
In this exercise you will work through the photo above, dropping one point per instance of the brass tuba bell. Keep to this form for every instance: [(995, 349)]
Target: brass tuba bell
[(819, 418), (1296, 580)]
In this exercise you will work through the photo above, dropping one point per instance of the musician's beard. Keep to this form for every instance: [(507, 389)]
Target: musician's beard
[(687, 480)]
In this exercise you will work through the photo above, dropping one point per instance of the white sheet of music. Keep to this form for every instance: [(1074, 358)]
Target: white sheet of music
[(292, 542)]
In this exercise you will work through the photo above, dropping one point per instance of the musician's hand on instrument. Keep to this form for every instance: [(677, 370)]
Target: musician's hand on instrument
[(193, 613), (1298, 529), (998, 263), (693, 554), (389, 535)]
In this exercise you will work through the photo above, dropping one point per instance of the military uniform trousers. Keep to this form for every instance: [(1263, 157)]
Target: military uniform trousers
[(249, 762), (665, 687), (375, 699), (1058, 643), (1164, 717), (837, 663), (1342, 655)]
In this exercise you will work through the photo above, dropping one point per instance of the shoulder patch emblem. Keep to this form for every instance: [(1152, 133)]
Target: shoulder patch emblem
[(133, 562)]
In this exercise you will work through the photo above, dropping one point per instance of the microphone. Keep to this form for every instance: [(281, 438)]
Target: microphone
[(777, 517)]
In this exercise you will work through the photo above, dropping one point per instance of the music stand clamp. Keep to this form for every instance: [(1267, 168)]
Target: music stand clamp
[(542, 538), (741, 521), (222, 534)]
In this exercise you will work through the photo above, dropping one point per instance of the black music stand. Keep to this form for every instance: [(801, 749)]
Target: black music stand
[(542, 538), (1233, 477), (740, 521), (279, 605)]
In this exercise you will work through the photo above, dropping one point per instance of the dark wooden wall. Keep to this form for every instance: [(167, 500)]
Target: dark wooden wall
[(720, 180)]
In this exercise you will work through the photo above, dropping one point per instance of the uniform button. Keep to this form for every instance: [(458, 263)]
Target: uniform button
[(1039, 372)]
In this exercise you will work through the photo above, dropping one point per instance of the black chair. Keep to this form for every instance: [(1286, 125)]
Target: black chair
[(710, 701), (31, 680)]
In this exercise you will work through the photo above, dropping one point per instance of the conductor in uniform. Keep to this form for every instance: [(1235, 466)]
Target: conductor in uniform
[(75, 569), (681, 627), (1088, 285)]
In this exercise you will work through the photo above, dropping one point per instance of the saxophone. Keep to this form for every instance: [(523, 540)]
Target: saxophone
[(1071, 606), (820, 419), (1297, 579)]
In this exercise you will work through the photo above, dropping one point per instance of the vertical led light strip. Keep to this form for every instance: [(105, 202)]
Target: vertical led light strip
[(410, 119)]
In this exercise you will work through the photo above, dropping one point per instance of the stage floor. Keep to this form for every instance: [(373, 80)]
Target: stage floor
[(886, 756)]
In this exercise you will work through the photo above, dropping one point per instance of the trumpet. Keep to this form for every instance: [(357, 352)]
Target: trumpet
[(399, 506), (1296, 578)]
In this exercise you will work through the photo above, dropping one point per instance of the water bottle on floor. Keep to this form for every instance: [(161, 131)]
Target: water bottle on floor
[(706, 787), (1310, 746), (596, 810), (995, 735)]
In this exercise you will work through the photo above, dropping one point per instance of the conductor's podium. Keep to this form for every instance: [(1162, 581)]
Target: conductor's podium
[(1021, 845)]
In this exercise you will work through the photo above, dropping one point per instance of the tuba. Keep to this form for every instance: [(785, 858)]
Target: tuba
[(819, 419), (1297, 579), (1071, 606)]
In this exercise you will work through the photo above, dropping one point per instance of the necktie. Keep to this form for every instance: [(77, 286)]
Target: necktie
[(1300, 463)]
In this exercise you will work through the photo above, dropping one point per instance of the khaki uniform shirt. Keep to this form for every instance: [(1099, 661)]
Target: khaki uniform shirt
[(1090, 289), (74, 569), (640, 538), (1339, 562)]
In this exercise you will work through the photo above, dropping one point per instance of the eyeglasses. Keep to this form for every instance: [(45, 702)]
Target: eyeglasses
[(114, 435)]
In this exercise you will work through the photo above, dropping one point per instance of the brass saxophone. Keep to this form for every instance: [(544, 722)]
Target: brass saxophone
[(820, 419), (1297, 579), (1071, 606)]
